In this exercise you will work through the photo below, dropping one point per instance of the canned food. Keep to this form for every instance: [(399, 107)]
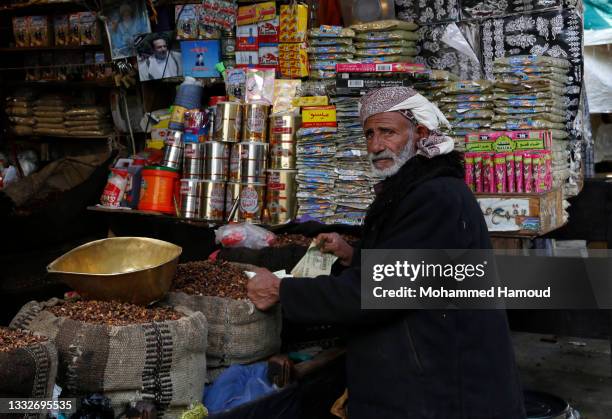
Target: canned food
[(253, 162), (251, 202), (216, 160), (281, 198), (255, 118), (193, 160), (232, 201), (228, 121), (234, 169), (173, 150), (284, 124), (213, 201), (283, 151), (190, 197)]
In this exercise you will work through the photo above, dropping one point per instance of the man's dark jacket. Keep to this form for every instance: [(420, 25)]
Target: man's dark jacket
[(417, 364)]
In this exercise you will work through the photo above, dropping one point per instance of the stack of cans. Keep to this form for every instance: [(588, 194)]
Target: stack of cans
[(247, 168), (281, 195)]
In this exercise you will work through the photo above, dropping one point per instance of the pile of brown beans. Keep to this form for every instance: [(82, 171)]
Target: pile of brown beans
[(14, 339), (216, 279), (112, 313)]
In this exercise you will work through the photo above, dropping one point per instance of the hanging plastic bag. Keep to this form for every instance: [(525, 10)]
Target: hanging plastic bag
[(244, 235)]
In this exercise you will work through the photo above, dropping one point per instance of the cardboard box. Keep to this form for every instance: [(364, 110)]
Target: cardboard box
[(319, 116), (247, 58), (523, 214), (268, 31), (186, 19), (266, 11), (293, 23), (379, 68), (74, 36), (505, 141), (247, 38), (40, 31), (360, 85), (89, 29), (268, 55), (21, 31), (254, 13), (61, 29), (200, 58)]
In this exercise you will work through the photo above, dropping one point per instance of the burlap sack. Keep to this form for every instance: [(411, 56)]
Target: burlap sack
[(29, 372), (164, 362), (238, 333)]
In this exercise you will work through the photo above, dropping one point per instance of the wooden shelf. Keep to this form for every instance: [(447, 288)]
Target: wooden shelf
[(134, 212), (35, 137), (63, 83), (39, 49), (39, 6)]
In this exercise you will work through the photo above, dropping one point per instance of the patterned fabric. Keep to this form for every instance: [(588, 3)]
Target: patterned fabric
[(428, 11), (435, 144), (553, 33), (471, 9), (381, 100)]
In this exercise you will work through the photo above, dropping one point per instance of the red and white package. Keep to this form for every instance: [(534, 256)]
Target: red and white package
[(115, 188)]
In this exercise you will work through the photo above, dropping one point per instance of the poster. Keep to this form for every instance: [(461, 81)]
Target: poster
[(125, 20), (157, 56), (200, 58)]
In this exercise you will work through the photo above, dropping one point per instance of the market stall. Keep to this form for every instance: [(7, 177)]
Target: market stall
[(235, 137)]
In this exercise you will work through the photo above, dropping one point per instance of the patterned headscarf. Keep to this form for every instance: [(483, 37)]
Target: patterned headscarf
[(415, 108)]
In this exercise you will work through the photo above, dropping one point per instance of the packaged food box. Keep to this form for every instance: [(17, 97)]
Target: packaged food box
[(293, 23), (21, 31), (40, 31), (89, 28), (247, 38), (268, 55), (505, 141), (186, 18), (267, 31), (60, 30), (319, 116), (74, 35)]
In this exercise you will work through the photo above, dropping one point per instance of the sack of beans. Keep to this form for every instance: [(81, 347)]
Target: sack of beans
[(124, 351), (28, 365), (238, 333)]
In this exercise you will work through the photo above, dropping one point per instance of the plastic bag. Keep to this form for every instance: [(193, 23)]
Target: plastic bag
[(244, 235), (385, 25), (386, 36), (373, 52), (396, 43), (237, 385)]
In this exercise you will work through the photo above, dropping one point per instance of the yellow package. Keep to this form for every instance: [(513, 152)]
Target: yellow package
[(293, 23), (311, 101), (319, 116), (284, 95)]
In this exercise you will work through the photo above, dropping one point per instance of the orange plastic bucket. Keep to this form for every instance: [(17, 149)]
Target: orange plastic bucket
[(158, 189)]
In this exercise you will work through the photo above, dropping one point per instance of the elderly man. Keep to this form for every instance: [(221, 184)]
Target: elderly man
[(409, 364)]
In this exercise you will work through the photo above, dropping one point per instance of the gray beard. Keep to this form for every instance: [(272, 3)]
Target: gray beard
[(406, 154)]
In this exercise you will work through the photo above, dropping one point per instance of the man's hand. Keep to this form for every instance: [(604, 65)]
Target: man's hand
[(334, 244), (263, 289)]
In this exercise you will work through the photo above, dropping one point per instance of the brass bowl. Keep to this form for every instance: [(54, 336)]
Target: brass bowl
[(135, 270)]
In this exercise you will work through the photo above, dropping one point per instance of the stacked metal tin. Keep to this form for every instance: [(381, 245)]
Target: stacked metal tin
[(281, 184), (249, 160)]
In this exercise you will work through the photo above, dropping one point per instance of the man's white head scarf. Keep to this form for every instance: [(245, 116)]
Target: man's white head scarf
[(416, 108)]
